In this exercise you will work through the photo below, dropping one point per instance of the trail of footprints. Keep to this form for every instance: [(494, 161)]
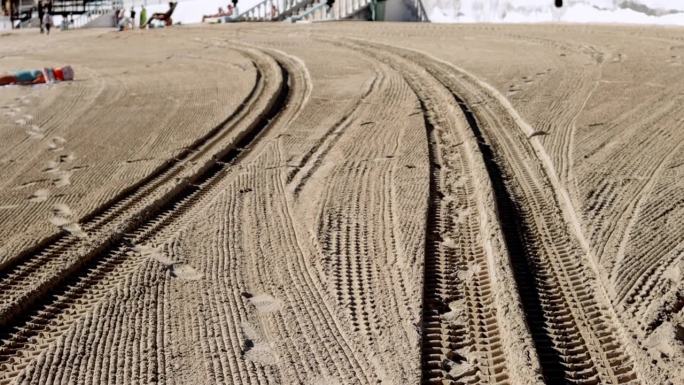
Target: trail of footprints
[(525, 81), (58, 171)]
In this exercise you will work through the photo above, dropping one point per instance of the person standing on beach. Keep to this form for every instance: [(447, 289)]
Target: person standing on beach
[(143, 17), (41, 13), (47, 20), (132, 18)]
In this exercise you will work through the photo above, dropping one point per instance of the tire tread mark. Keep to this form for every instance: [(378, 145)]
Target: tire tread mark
[(88, 283)]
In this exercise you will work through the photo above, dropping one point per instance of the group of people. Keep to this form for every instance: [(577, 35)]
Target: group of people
[(231, 10), (123, 22), (44, 8), (45, 15)]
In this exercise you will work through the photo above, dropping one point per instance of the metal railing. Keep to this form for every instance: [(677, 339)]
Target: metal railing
[(85, 18), (313, 11), (272, 10), (421, 15)]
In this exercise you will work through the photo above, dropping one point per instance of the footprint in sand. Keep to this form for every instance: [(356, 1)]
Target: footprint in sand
[(153, 252), (67, 225), (52, 167), (456, 313), (264, 303), (62, 217), (40, 195), (185, 271), (59, 221), (456, 370), (63, 179), (70, 157), (255, 348), (61, 214), (35, 132), (62, 210), (449, 242), (178, 269), (56, 143), (29, 184), (75, 229), (11, 111), (675, 272), (473, 271)]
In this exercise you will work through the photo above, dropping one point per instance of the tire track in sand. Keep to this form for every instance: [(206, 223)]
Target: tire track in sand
[(56, 256), (47, 317), (577, 338), (575, 332), (472, 330)]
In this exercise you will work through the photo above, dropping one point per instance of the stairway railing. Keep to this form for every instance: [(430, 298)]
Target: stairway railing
[(263, 11), (314, 11), (271, 10), (83, 19), (345, 9), (421, 15)]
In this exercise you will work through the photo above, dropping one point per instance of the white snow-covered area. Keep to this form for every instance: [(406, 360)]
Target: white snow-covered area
[(664, 12)]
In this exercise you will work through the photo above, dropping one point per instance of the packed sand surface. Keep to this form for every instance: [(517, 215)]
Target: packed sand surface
[(344, 203)]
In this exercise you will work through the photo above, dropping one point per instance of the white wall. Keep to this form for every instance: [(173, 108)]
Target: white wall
[(579, 11)]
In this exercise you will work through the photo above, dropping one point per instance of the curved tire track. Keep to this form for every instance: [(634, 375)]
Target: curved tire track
[(46, 317), (58, 255)]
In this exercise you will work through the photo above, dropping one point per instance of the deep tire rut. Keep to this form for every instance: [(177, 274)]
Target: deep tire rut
[(456, 280), (462, 340), (46, 317), (573, 334)]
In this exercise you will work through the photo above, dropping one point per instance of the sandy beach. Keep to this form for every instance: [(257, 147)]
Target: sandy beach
[(344, 203)]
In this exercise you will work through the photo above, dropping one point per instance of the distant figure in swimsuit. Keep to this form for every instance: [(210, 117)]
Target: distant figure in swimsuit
[(29, 77)]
